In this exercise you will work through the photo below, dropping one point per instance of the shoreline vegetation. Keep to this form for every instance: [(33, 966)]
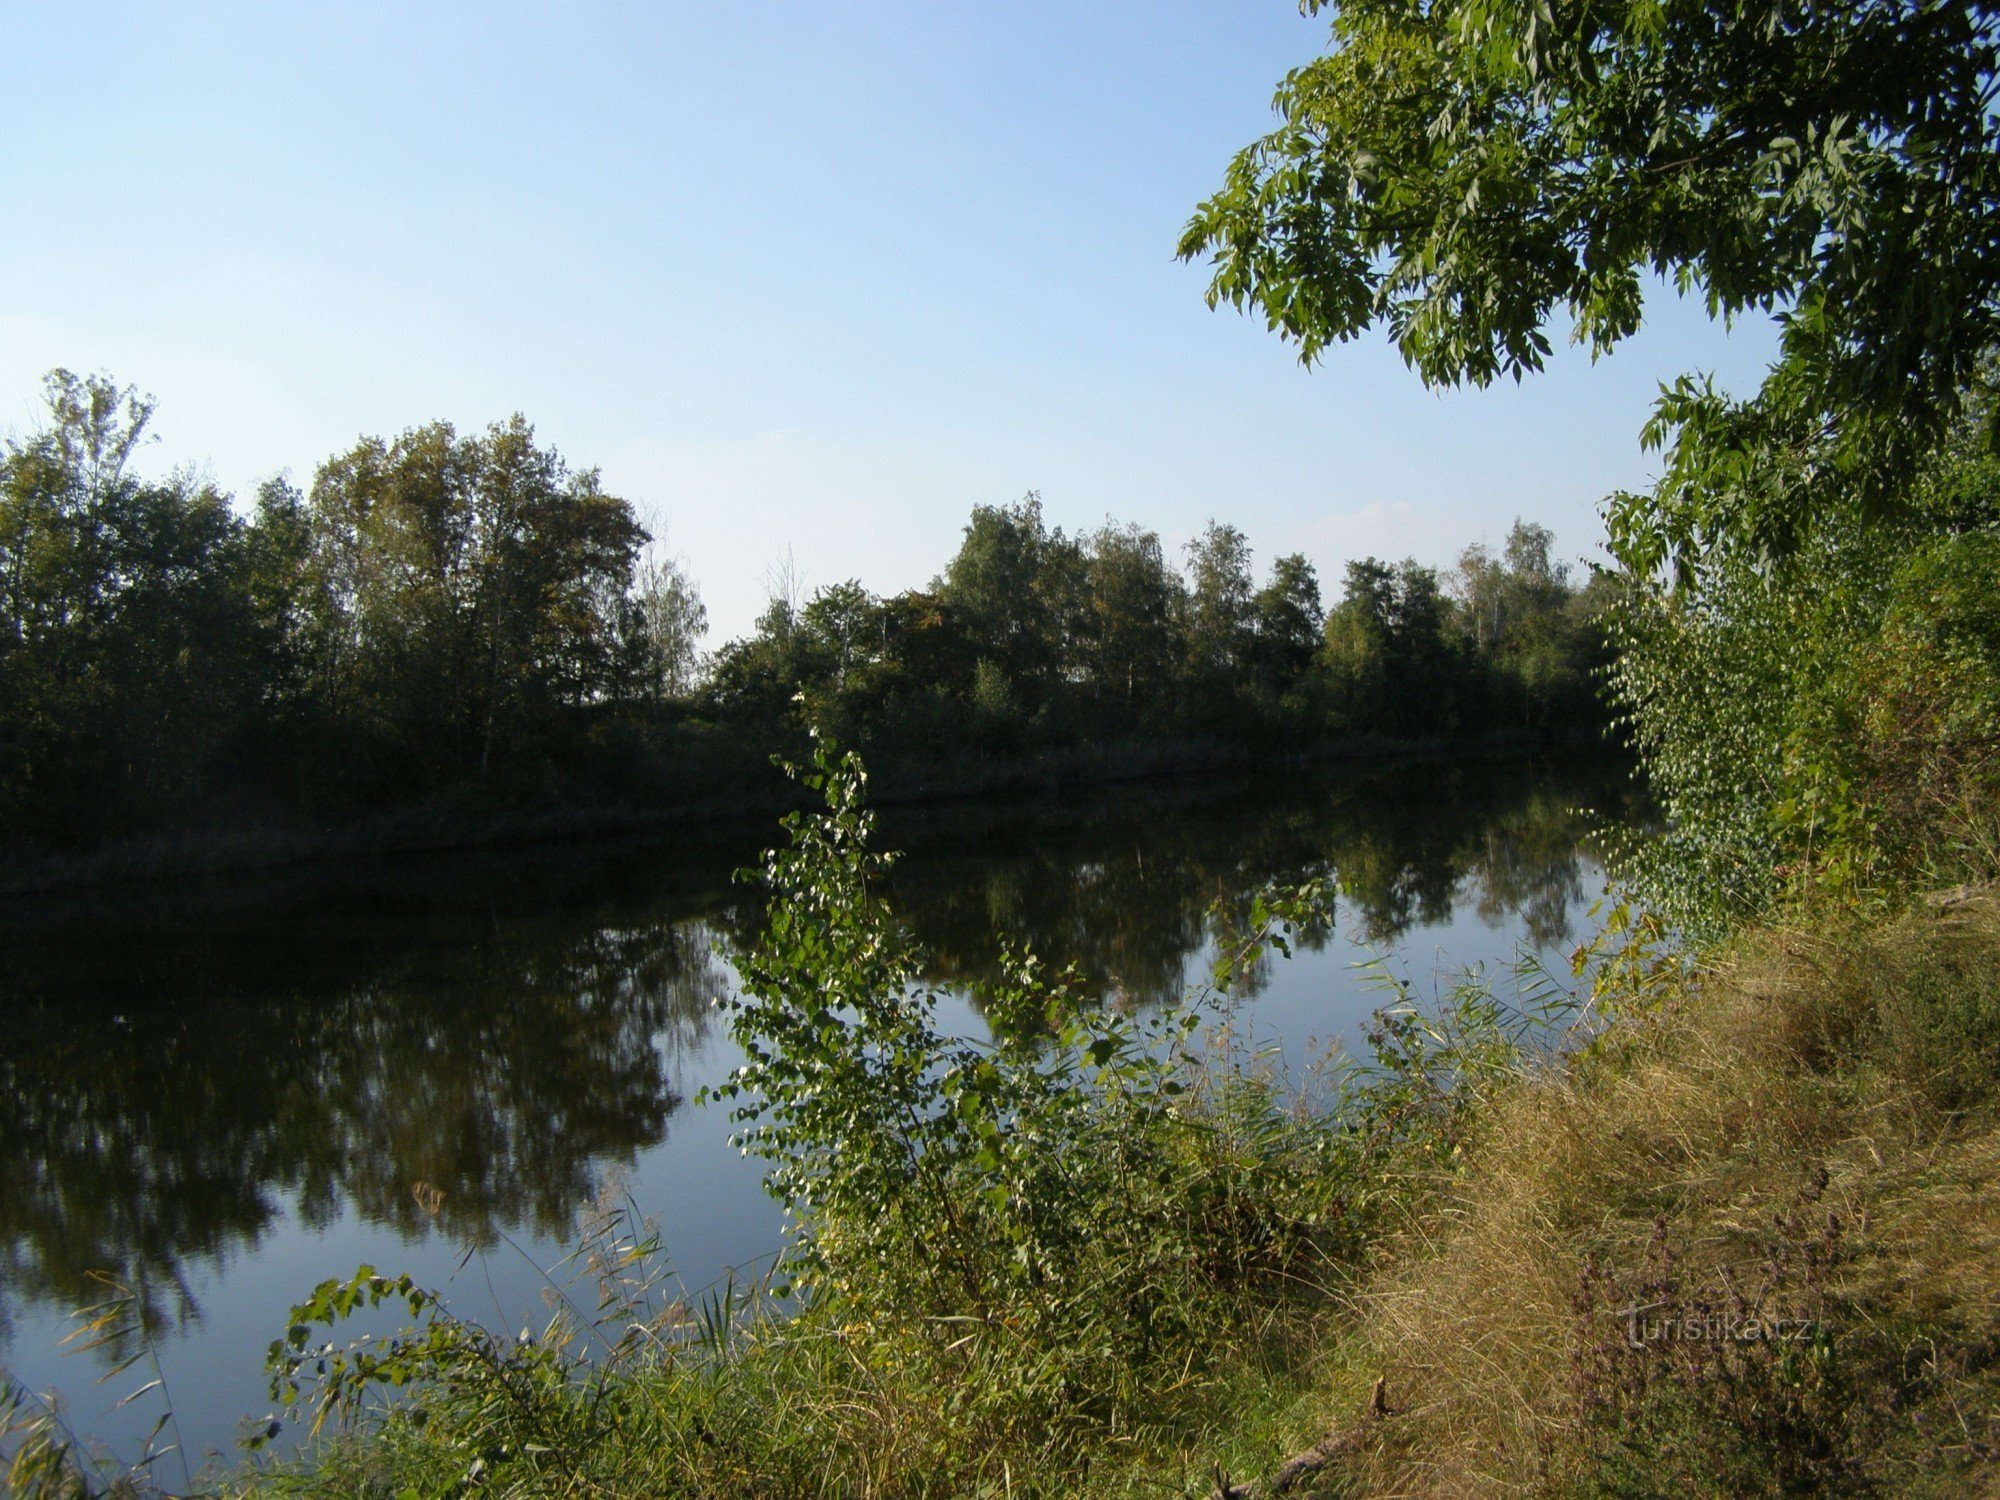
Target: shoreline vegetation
[(1669, 1222)]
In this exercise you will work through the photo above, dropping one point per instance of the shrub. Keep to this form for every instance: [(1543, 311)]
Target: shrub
[(1824, 726), (1075, 1198)]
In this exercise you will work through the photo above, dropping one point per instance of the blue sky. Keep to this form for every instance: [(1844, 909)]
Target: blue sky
[(798, 278)]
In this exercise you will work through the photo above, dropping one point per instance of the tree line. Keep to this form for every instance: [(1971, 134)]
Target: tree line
[(1034, 639), (445, 615)]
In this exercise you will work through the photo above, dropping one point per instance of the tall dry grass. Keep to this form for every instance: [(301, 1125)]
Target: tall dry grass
[(1803, 1138)]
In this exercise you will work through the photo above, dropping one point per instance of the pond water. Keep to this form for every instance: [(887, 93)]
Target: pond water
[(215, 1097)]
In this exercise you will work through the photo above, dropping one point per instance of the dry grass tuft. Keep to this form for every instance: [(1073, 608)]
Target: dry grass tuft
[(1804, 1138)]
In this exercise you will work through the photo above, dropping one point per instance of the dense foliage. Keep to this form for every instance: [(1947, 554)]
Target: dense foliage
[(1827, 726), (429, 611), (1046, 1187), (1460, 172), (469, 621), (130, 647), (1035, 640)]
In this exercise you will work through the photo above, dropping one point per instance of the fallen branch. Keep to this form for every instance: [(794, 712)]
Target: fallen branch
[(1300, 1466)]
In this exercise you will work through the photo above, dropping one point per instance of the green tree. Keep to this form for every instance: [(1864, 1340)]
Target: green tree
[(1013, 585), (671, 620), (1392, 664), (1357, 641), (1221, 603), (1288, 622), (477, 589), (128, 648), (843, 632), (928, 646), (1461, 172), (282, 594), (1538, 643), (1479, 583), (1133, 606), (756, 677)]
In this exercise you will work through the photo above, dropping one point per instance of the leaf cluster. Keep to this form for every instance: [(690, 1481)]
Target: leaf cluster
[(1462, 172)]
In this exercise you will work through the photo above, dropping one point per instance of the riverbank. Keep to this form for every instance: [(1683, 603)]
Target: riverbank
[(1746, 1243), (514, 1026), (742, 790), (1743, 1242)]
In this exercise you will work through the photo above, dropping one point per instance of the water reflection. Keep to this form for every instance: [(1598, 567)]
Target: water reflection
[(327, 1064), (1129, 891), (181, 1075)]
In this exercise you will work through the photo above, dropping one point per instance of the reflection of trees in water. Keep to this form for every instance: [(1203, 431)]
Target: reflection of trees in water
[(1127, 915), (502, 1033), (1527, 865), (500, 1063), (1512, 846), (1131, 893)]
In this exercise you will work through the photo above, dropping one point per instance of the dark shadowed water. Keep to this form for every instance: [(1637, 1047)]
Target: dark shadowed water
[(217, 1097)]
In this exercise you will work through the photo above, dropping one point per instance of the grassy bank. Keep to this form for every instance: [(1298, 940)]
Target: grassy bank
[(1787, 1163)]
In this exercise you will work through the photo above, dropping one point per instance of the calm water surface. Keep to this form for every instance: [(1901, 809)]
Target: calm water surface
[(219, 1096)]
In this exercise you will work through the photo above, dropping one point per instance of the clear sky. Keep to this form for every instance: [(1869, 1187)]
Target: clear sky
[(815, 278)]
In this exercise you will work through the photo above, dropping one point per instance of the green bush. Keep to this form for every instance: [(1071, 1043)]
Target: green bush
[(1924, 702), (1075, 1194), (1825, 725)]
